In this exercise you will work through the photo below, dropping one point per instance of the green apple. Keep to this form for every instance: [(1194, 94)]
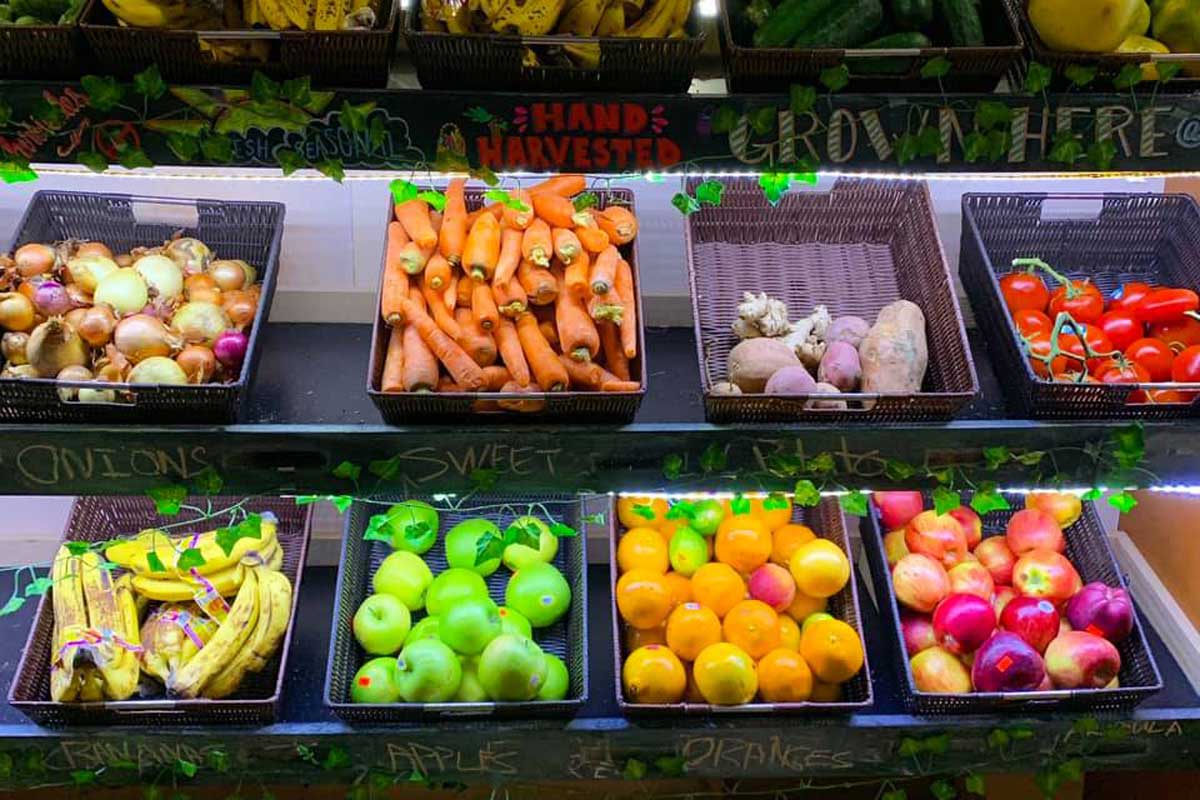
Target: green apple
[(429, 672), (470, 690), (462, 541), (558, 680), (426, 628), (377, 681), (381, 624), (540, 593), (453, 586), (512, 668), (514, 622), (517, 556), (688, 551), (413, 525), (406, 576), (469, 625), (708, 516)]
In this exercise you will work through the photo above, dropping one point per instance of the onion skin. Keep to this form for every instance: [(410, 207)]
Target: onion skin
[(202, 288), (93, 249), (79, 298), (51, 298), (76, 374), (197, 362), (192, 255), (158, 370), (12, 346), (21, 371), (88, 271), (124, 290), (124, 260), (229, 275), (162, 275), (230, 349), (16, 312), (241, 305), (200, 323), (34, 259), (53, 346), (95, 325), (142, 336)]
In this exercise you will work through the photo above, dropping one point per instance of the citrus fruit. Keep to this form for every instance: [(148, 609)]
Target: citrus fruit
[(719, 587), (538, 592), (814, 618), (462, 543), (635, 511), (680, 586), (803, 605), (784, 677), (786, 539), (725, 675), (691, 628), (691, 694), (642, 548), (643, 598), (666, 529), (825, 692), (789, 633), (653, 674), (688, 551), (820, 568), (743, 543), (640, 637), (832, 649), (707, 516), (753, 626), (778, 515)]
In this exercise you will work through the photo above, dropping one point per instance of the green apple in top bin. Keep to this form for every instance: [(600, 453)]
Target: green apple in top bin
[(518, 554), (413, 525), (462, 542)]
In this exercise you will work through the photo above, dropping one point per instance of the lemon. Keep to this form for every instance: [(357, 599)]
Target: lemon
[(1088, 26), (1144, 44)]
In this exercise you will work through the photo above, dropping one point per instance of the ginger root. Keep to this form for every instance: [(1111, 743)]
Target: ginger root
[(806, 337), (760, 315)]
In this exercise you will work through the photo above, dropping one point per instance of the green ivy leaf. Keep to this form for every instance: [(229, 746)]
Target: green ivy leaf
[(945, 500), (929, 141), (353, 118), (762, 120), (341, 502), (208, 482), (506, 199), (909, 747), (1115, 732), (184, 147), (774, 184), (585, 201), (1130, 445), (995, 457), (975, 147), (593, 519), (997, 739), (1031, 458), (724, 119), (92, 160), (643, 510), (77, 548), (820, 465), (898, 470), (634, 770), (670, 766), (149, 83), (1019, 734), (1092, 495), (1167, 70), (436, 200), (336, 758), (854, 503), (154, 562), (1079, 75), (38, 587), (217, 760), (83, 777), (377, 132), (488, 548), (190, 558), (935, 68), (974, 784), (307, 754), (714, 458), (484, 479), (308, 499), (682, 509), (133, 158), (186, 768), (739, 504), (377, 529), (1101, 154), (249, 528), (50, 113), (685, 203), (672, 466), (1071, 770), (385, 469), (709, 192), (1129, 76), (1067, 149), (167, 499), (987, 499), (943, 790), (991, 114), (485, 174), (15, 169), (347, 471), (103, 93), (894, 794), (1086, 725), (562, 530), (12, 606), (802, 98), (775, 501), (937, 744), (262, 88), (1123, 501), (297, 91), (331, 168), (1038, 78), (289, 161), (907, 148), (805, 494), (835, 78), (217, 148)]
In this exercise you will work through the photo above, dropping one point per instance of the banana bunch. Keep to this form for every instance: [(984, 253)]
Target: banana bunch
[(586, 18), (171, 636), (178, 14), (305, 15)]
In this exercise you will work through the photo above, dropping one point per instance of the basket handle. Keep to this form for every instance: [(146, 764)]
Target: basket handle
[(178, 214)]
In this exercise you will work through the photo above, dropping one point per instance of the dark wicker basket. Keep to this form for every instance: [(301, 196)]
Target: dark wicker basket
[(854, 249), (827, 521), (42, 52), (567, 638), (1088, 550), (329, 58), (250, 231), (973, 69), (1109, 239), (406, 408), (257, 702), (494, 62)]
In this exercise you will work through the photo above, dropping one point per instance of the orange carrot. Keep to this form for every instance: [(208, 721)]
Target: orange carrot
[(495, 209), (463, 287), (393, 364), (556, 210), (536, 244), (510, 350), (510, 255), (483, 306), (414, 257), (583, 375), (539, 283), (607, 306), (577, 336), (436, 305), (481, 251), (616, 385), (565, 185), (628, 322), (619, 223), (593, 239), (450, 295), (532, 405), (435, 219), (475, 340), (518, 218), (453, 234), (420, 365), (566, 245), (575, 277), (549, 330), (462, 369), (494, 378), (510, 298), (547, 370), (437, 272), (395, 279), (416, 295), (447, 385), (414, 216), (604, 270), (610, 348)]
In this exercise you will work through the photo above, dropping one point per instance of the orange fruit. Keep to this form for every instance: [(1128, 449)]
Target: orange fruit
[(789, 633), (725, 675), (786, 539), (832, 649), (804, 605), (691, 628), (826, 692), (635, 511), (753, 626), (667, 528), (692, 693), (773, 518), (642, 548), (643, 598), (719, 587), (653, 674), (680, 587), (640, 637), (820, 568), (743, 543), (784, 677)]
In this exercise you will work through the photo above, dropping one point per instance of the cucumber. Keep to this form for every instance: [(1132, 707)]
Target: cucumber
[(789, 19), (912, 15), (848, 25), (889, 65), (962, 20)]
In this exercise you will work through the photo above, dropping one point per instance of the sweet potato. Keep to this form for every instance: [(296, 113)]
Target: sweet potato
[(851, 330), (840, 367), (791, 380), (894, 354), (753, 361)]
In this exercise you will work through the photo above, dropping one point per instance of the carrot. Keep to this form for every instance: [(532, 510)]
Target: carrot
[(547, 370), (420, 365), (577, 334), (536, 244), (447, 385), (593, 239), (628, 322), (532, 405), (549, 330), (619, 223), (566, 245), (583, 375), (510, 255), (414, 216), (436, 305), (565, 185), (607, 306), (610, 348), (518, 218), (604, 270), (413, 257), (416, 295), (450, 295), (435, 220), (454, 222), (539, 283), (475, 340), (494, 378), (393, 363), (510, 351), (556, 210), (510, 298), (437, 272), (483, 306), (395, 279), (616, 385), (481, 251), (462, 369), (495, 209), (575, 277), (462, 291)]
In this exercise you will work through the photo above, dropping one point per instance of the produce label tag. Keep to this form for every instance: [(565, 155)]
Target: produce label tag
[(183, 620), (1094, 631), (209, 599), (1004, 663)]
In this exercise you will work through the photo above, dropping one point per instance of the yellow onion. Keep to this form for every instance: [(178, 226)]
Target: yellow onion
[(192, 255), (161, 274), (198, 363), (75, 373), (93, 249), (200, 323), (123, 290), (203, 288), (53, 346), (160, 370), (95, 325), (16, 311), (34, 259), (12, 347), (240, 305), (230, 275), (88, 271), (142, 336), (19, 371)]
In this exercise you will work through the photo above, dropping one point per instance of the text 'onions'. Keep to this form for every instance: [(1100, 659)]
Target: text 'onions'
[(123, 290), (230, 348), (200, 323), (16, 312), (34, 259), (142, 336), (158, 370), (162, 275)]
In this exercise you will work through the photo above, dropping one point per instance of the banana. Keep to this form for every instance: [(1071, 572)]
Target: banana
[(581, 17), (299, 12), (124, 684), (586, 56), (655, 23), (612, 21), (224, 646), (683, 10), (70, 621), (274, 611), (138, 13), (179, 590), (328, 16), (133, 554), (277, 18), (110, 607), (167, 642)]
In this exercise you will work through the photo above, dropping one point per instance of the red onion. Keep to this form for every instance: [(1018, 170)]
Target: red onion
[(230, 348), (51, 298)]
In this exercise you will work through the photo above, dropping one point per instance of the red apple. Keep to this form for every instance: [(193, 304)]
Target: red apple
[(1006, 663), (1101, 610), (1033, 619), (1003, 596), (1034, 529), (971, 524), (938, 671), (920, 582), (897, 508), (1045, 573), (918, 632), (994, 554), (962, 622), (1065, 507), (894, 547), (1082, 660), (937, 536), (1064, 625), (971, 578)]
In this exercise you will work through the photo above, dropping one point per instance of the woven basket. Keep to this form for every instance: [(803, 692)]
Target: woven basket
[(1134, 237), (234, 229), (42, 52), (1088, 550), (855, 249), (257, 702), (567, 638)]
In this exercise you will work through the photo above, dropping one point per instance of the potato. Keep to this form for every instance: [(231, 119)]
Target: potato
[(791, 380), (894, 354), (828, 388), (848, 329), (840, 367), (725, 387), (753, 361)]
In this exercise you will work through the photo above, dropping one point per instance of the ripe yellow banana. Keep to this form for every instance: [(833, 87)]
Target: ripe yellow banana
[(139, 13), (655, 22), (274, 611), (585, 56), (167, 638), (329, 15), (612, 21), (111, 607), (180, 590), (275, 15), (70, 621), (133, 554), (299, 12), (581, 17), (224, 646), (683, 10)]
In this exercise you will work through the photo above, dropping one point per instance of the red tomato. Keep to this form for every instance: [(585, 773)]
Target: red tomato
[(1124, 371), (1128, 296), (1030, 321), (1166, 305), (1180, 334), (1121, 327), (1082, 300), (1187, 366), (1039, 345), (1023, 290), (1098, 342), (1154, 355), (1170, 397)]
